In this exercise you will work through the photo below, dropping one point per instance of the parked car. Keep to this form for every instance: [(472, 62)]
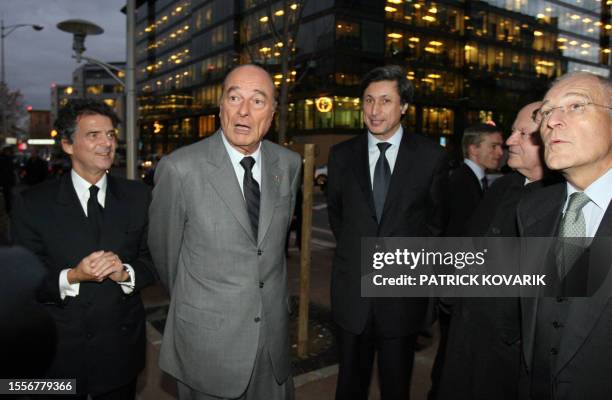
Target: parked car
[(320, 177)]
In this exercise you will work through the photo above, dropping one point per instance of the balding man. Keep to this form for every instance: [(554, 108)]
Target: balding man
[(219, 219), (566, 341), (485, 333)]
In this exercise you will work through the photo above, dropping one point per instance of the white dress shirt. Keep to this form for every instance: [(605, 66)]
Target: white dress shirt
[(236, 156), (600, 193), (476, 169), (390, 154), (81, 187)]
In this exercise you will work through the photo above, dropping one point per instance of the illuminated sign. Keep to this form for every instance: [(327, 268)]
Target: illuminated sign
[(324, 104)]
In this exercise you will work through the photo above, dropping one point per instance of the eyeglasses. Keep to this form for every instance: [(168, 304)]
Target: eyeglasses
[(571, 110)]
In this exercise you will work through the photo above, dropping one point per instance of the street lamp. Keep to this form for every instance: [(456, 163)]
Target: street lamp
[(6, 30), (80, 29)]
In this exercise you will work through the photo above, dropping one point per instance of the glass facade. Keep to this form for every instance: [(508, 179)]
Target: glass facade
[(468, 61)]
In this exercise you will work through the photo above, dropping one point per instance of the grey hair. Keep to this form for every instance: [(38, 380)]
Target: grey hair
[(605, 84)]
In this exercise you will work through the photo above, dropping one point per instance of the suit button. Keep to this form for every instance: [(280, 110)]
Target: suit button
[(257, 319), (259, 252), (560, 299), (554, 351), (261, 285), (89, 336), (557, 325), (495, 231)]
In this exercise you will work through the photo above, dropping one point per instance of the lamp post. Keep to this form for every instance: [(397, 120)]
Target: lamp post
[(6, 30), (80, 29)]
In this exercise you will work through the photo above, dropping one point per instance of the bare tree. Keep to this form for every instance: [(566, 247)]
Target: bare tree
[(291, 18), (15, 112)]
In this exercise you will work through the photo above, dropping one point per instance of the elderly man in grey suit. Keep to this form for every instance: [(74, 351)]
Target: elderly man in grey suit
[(218, 224)]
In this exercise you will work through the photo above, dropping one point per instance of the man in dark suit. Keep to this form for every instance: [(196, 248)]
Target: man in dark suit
[(566, 341), (483, 350), (482, 151), (386, 182), (89, 229)]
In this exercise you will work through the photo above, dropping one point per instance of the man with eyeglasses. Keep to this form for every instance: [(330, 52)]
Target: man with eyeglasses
[(89, 229), (567, 350)]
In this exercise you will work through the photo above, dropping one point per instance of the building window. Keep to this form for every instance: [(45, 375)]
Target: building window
[(206, 125), (438, 121)]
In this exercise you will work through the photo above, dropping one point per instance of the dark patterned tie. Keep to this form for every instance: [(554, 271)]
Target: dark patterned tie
[(94, 212), (382, 177), (485, 183), (251, 193)]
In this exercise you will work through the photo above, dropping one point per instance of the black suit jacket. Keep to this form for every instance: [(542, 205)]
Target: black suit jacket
[(483, 351), (584, 361), (467, 193), (27, 334), (101, 332), (416, 205)]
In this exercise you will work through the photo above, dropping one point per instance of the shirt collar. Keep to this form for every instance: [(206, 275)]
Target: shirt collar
[(237, 156), (599, 191), (81, 185), (476, 169), (394, 140)]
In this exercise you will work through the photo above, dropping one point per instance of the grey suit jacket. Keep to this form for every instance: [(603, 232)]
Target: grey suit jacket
[(583, 365), (224, 283)]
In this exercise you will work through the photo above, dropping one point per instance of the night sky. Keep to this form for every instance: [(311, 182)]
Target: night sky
[(36, 59)]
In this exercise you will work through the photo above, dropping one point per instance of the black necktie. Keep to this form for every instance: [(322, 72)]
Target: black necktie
[(485, 183), (94, 212), (251, 192), (382, 177)]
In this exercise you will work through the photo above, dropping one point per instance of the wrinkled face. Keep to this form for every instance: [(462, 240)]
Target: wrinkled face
[(524, 143), (577, 143), (382, 108), (247, 107), (489, 152), (93, 146)]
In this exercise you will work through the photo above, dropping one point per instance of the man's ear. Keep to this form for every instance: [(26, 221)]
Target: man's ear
[(404, 108), (472, 150), (67, 146)]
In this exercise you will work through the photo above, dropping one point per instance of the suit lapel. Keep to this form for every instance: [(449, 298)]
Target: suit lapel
[(270, 177), (224, 181), (543, 220), (405, 166), (585, 312), (362, 171)]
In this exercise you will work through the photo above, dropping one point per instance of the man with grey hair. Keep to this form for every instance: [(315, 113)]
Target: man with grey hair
[(485, 333), (567, 351), (482, 151), (219, 219)]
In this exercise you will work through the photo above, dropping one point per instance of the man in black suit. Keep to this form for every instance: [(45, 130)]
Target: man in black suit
[(385, 183), (482, 151), (566, 341), (484, 334), (89, 229)]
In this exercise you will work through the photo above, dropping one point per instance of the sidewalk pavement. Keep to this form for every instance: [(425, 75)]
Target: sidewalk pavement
[(314, 385)]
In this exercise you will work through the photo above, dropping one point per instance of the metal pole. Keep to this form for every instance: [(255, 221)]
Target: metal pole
[(305, 260), (131, 134), (4, 88)]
